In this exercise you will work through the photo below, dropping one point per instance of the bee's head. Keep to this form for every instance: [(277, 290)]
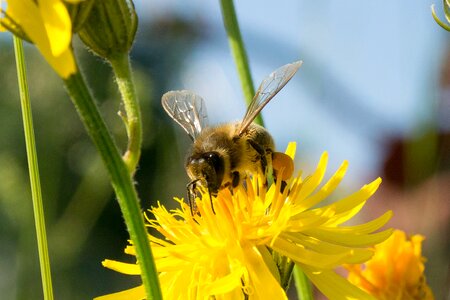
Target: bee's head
[(207, 167)]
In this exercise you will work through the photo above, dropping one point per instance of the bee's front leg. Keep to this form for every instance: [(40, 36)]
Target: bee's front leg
[(191, 194)]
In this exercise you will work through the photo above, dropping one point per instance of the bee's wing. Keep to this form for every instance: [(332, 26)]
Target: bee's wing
[(187, 109), (268, 88)]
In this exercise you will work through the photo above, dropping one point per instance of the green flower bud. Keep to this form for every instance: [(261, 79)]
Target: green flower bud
[(79, 12), (110, 27)]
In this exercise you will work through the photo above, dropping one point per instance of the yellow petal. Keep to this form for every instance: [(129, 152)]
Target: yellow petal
[(57, 24), (300, 254), (308, 219), (124, 268), (323, 247), (333, 286), (311, 183), (236, 294), (137, 293), (349, 206), (270, 263), (346, 238), (363, 194), (64, 64), (225, 284), (290, 150), (264, 285), (28, 15), (328, 188), (370, 226), (1, 13)]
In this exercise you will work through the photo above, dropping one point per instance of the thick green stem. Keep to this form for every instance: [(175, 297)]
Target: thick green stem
[(238, 51), (124, 78), (38, 208), (121, 180), (302, 284)]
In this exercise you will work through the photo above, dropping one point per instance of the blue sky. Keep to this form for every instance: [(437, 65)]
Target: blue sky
[(370, 71)]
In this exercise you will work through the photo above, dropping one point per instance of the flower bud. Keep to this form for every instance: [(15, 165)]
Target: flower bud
[(110, 27), (79, 12)]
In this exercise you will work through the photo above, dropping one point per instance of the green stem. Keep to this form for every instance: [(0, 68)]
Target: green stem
[(287, 267), (238, 51), (304, 290), (121, 179), (38, 209), (122, 69)]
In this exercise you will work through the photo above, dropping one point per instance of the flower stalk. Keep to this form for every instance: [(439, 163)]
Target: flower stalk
[(132, 118), (36, 195), (121, 180), (302, 284), (238, 51)]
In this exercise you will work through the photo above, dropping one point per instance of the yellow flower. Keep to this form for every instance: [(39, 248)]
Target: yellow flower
[(227, 252), (47, 24), (395, 271)]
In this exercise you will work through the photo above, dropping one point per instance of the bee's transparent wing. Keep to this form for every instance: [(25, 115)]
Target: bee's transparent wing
[(187, 109), (268, 88)]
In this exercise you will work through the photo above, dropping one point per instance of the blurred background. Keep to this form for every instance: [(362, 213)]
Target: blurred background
[(374, 89)]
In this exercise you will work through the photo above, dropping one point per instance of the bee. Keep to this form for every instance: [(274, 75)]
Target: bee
[(221, 156)]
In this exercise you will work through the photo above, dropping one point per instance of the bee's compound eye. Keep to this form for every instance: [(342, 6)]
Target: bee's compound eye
[(216, 162), (214, 159), (212, 156)]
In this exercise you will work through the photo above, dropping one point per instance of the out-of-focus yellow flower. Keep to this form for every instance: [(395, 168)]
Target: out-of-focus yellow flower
[(47, 24), (395, 271), (225, 253)]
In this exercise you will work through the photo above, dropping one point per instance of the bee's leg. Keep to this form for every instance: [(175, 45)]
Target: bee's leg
[(283, 182), (262, 155), (283, 186), (235, 179), (281, 161), (191, 187)]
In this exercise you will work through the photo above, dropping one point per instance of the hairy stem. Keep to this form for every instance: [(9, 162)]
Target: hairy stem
[(132, 119), (121, 180)]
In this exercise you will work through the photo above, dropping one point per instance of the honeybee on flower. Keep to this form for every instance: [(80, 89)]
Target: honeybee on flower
[(222, 155)]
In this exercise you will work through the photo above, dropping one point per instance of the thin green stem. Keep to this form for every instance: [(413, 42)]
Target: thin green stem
[(133, 123), (302, 284), (238, 51), (121, 179), (38, 208), (287, 267)]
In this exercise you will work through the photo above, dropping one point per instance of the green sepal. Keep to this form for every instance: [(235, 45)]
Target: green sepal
[(110, 28), (79, 12)]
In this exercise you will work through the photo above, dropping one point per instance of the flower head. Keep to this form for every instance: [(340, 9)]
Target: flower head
[(47, 24), (395, 271), (226, 252)]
